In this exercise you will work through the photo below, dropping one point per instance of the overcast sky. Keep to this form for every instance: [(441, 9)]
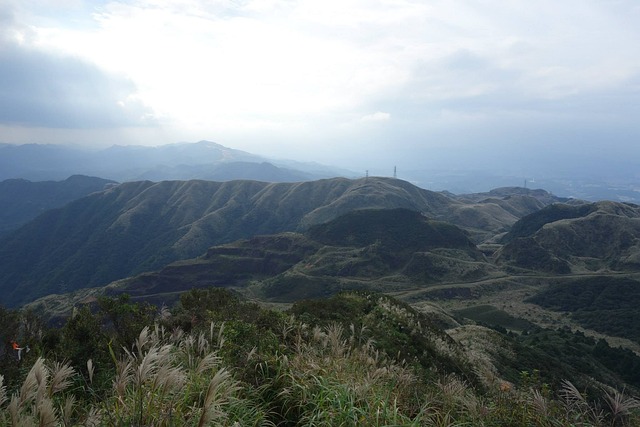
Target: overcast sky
[(362, 84)]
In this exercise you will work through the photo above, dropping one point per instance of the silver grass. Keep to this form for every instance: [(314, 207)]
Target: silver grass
[(43, 390), (124, 375), (67, 409), (319, 336), (94, 418), (164, 312), (142, 340), (61, 377), (221, 387), (188, 343), (149, 364), (203, 344), (159, 332), (169, 379), (252, 353), (619, 404), (30, 385), (334, 337), (176, 335), (571, 395), (3, 391), (539, 403), (90, 370), (575, 402), (221, 339), (47, 416), (453, 388), (14, 410), (210, 361), (287, 327), (187, 346)]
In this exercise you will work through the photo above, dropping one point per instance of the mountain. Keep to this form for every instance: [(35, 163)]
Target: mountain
[(200, 160), (142, 226), (362, 249), (22, 200), (601, 236), (227, 171)]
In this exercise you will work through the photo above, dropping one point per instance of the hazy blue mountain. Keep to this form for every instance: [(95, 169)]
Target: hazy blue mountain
[(22, 200), (617, 184), (263, 171), (201, 160)]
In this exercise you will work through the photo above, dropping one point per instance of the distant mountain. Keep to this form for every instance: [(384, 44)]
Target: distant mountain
[(142, 226), (599, 236), (201, 160), (22, 200), (230, 171)]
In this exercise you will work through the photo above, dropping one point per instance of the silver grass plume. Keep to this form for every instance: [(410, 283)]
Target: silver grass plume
[(61, 377), (619, 404), (90, 370), (3, 391), (221, 388), (36, 376)]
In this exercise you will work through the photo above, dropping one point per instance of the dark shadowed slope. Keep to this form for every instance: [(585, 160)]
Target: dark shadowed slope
[(22, 200)]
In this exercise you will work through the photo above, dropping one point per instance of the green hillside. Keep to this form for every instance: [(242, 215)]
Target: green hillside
[(373, 249), (142, 226), (595, 237), (606, 304)]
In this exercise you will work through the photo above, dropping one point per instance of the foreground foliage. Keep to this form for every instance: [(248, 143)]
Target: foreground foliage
[(359, 359)]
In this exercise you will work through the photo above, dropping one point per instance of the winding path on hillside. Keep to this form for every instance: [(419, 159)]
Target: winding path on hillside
[(509, 294)]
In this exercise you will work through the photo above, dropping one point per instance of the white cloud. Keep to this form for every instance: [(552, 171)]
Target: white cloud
[(378, 116), (305, 71)]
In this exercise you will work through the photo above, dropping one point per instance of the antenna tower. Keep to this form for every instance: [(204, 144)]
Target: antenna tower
[(395, 175)]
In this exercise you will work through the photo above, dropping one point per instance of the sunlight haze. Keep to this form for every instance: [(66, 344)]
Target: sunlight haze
[(358, 84)]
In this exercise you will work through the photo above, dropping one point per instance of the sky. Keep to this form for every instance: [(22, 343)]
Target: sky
[(352, 83)]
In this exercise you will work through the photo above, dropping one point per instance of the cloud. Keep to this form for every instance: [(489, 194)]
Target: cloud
[(378, 116), (314, 77), (51, 89)]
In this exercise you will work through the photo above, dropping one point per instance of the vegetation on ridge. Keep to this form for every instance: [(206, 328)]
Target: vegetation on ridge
[(216, 360), (143, 226)]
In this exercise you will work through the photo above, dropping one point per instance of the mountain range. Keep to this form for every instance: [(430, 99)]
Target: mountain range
[(141, 226), (516, 278), (493, 255), (181, 161), (211, 161)]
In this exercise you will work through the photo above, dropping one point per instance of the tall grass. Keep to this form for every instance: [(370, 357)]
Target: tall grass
[(318, 376)]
